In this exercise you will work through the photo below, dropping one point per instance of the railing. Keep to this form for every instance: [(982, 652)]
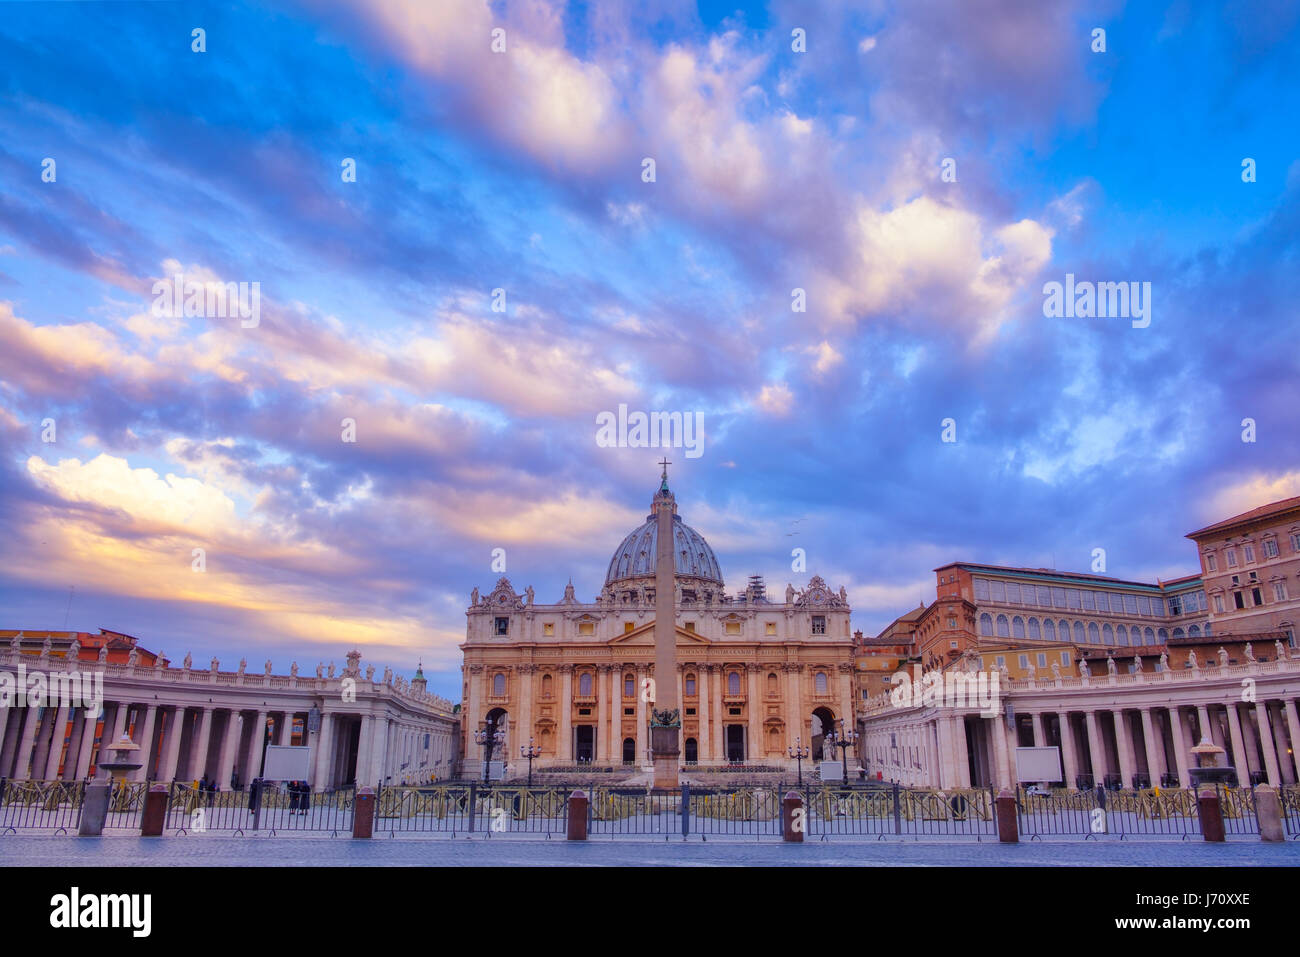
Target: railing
[(272, 808), (56, 805), (465, 808), (1164, 812)]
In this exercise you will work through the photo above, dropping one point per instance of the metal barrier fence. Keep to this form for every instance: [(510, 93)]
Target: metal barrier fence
[(268, 807), (1166, 812), (468, 808), (56, 805)]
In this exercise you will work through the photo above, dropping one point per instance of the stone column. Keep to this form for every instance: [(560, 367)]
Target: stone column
[(75, 734), (1240, 756), (1207, 730), (60, 728), (23, 756), (960, 755), (229, 749), (1293, 725), (4, 727), (322, 771), (1096, 751), (640, 717), (754, 736), (41, 745), (284, 729), (146, 743), (1124, 749), (719, 744), (199, 753), (1149, 740), (704, 743), (172, 733), (564, 746), (120, 721), (366, 750), (1069, 760), (1002, 760), (602, 713), (1182, 750), (256, 738), (1278, 721), (1266, 743)]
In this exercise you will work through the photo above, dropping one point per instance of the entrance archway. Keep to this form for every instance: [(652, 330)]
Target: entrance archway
[(692, 751), (497, 720), (629, 751), (584, 741), (823, 723), (736, 743)]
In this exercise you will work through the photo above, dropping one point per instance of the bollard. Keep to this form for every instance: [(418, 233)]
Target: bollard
[(1008, 831), (793, 817), (1268, 811), (94, 809), (155, 811), (577, 816), (363, 813), (1211, 814)]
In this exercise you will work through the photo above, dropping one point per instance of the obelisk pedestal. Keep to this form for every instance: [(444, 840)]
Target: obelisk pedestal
[(665, 721)]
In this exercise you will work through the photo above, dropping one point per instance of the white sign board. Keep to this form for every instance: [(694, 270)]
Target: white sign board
[(832, 771), (496, 770), (1038, 764), (285, 763)]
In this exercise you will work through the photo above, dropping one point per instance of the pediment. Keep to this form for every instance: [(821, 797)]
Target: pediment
[(645, 635)]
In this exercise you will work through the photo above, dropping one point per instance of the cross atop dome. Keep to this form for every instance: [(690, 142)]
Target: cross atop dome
[(663, 485)]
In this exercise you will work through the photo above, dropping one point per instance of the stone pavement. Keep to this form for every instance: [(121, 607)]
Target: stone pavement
[(213, 850)]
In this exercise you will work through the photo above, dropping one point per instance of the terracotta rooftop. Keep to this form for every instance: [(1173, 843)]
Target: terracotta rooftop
[(1264, 511)]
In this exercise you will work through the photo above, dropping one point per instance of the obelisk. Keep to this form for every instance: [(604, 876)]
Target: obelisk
[(665, 720)]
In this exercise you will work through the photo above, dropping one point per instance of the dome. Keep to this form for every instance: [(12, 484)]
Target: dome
[(635, 557)]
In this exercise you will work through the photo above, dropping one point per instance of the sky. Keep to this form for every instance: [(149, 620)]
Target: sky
[(919, 170)]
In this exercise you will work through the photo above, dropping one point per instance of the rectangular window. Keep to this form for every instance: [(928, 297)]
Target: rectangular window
[(1279, 591), (1065, 657), (1024, 661), (1270, 548), (952, 644), (1103, 601), (1013, 592), (1255, 594), (1058, 597), (1295, 542), (689, 626), (1218, 604), (627, 626), (1211, 563), (1000, 661), (503, 626), (1238, 600), (818, 625), (1042, 659), (586, 627), (1044, 596), (1130, 604), (1249, 552), (1072, 599), (1175, 605), (982, 586), (999, 591), (1231, 556), (1089, 601), (769, 628), (733, 628), (548, 628), (1144, 605)]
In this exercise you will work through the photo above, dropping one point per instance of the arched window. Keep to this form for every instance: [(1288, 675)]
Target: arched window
[(1107, 635), (690, 685), (1063, 627), (1178, 633), (1078, 632), (498, 684), (692, 751), (1121, 634), (584, 684), (1018, 627), (819, 682), (629, 686), (1148, 636), (1094, 634), (629, 751), (547, 686), (986, 624), (771, 683), (1034, 630), (1049, 629), (1003, 630), (1164, 635), (1194, 631), (733, 682)]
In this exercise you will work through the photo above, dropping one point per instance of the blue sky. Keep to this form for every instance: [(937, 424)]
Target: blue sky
[(521, 170)]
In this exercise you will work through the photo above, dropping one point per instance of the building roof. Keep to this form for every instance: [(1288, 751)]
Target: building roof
[(1051, 574), (635, 558), (1254, 515)]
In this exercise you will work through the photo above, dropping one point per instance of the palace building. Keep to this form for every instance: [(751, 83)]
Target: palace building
[(1123, 677), (575, 678)]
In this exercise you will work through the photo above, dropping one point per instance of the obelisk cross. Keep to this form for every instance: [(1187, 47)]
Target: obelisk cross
[(665, 463)]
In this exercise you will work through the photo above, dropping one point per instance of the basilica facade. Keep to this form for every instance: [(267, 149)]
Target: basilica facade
[(576, 678)]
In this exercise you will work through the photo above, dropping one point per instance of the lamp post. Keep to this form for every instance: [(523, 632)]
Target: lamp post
[(844, 740), (799, 752), (489, 737), (530, 752)]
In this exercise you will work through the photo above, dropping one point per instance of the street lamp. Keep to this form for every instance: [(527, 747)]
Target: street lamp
[(489, 738), (799, 753), (844, 740), (530, 752)]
